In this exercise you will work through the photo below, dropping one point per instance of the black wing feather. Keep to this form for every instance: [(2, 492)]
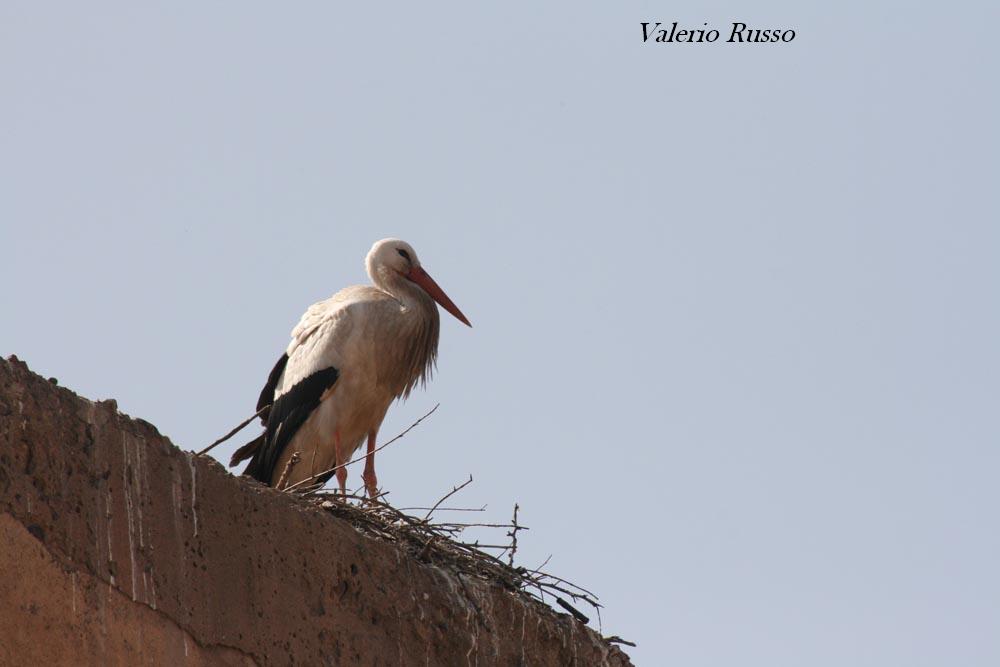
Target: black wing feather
[(267, 393), (286, 415), (264, 401)]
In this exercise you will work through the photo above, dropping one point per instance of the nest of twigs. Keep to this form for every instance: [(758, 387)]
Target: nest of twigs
[(441, 543)]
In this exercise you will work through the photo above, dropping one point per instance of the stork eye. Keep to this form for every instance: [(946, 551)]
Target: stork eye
[(405, 255)]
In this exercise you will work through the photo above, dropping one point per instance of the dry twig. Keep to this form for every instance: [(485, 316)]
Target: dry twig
[(441, 544), (615, 639), (571, 609), (233, 432), (288, 468), (513, 537), (363, 456), (447, 496), (444, 509)]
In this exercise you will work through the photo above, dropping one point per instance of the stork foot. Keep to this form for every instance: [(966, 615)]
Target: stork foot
[(371, 483), (339, 458)]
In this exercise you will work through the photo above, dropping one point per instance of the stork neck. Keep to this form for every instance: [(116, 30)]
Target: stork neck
[(413, 298)]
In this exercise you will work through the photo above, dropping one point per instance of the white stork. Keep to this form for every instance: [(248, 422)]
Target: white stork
[(350, 357)]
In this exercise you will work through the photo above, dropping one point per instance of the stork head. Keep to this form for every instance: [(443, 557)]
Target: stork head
[(391, 257)]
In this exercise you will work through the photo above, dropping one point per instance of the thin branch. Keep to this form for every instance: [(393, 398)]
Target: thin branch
[(502, 547), (573, 594), (447, 496), (569, 583), (455, 524), (444, 509), (513, 537), (288, 468), (615, 639), (233, 432), (363, 456), (544, 563), (573, 610)]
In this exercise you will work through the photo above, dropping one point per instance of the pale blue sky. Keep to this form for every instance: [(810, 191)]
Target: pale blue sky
[(736, 307)]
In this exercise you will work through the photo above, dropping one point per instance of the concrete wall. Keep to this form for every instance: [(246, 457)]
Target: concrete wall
[(116, 548)]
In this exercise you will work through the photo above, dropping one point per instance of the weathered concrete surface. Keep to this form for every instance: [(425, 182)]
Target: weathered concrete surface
[(53, 615), (118, 548)]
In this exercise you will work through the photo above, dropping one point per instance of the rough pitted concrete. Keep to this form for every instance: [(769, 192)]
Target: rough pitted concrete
[(117, 548)]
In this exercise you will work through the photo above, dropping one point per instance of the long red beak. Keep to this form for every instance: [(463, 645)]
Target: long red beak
[(422, 278)]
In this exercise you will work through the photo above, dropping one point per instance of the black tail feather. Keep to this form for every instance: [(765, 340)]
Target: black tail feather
[(247, 450), (284, 418)]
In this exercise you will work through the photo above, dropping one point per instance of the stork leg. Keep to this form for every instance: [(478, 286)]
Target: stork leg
[(371, 482), (339, 459)]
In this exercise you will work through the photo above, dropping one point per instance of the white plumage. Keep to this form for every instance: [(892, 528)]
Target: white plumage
[(350, 356)]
